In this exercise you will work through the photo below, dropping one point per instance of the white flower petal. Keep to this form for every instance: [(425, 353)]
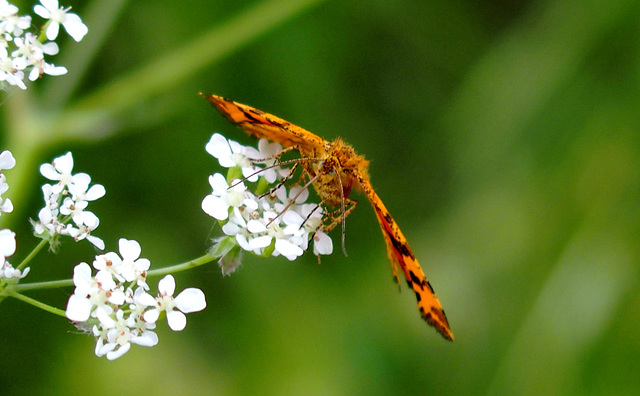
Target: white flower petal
[(176, 320), (288, 249), (322, 244), (256, 226), (52, 30), (6, 160), (119, 352), (50, 5), (215, 207), (74, 26), (78, 308), (48, 171), (260, 242), (148, 339), (41, 11), (152, 315), (146, 299), (7, 243), (191, 300), (95, 192), (167, 285), (129, 249)]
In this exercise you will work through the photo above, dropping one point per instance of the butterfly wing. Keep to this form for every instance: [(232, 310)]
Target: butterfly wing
[(401, 255), (265, 125)]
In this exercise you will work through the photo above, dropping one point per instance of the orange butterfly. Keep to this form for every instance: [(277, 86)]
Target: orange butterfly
[(334, 169)]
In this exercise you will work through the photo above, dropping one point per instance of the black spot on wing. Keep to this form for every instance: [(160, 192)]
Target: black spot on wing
[(416, 281)]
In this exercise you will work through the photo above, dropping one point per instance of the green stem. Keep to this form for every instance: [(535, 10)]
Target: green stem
[(22, 287), (181, 267), (44, 285), (38, 304), (33, 253)]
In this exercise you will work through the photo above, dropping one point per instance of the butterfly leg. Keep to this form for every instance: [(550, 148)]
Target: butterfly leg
[(335, 217)]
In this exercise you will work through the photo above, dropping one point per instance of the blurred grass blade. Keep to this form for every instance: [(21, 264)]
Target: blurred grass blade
[(169, 70), (100, 16)]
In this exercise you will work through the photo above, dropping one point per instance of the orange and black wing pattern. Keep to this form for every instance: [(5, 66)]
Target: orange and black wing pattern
[(401, 255), (265, 125)]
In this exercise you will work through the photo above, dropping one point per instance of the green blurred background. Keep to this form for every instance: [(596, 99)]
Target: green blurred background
[(504, 136)]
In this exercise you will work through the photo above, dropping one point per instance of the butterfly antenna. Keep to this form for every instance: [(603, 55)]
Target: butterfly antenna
[(295, 161), (344, 217)]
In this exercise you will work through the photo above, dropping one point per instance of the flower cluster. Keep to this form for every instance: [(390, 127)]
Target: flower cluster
[(279, 222), (114, 304), (6, 162), (22, 51), (66, 201), (8, 274)]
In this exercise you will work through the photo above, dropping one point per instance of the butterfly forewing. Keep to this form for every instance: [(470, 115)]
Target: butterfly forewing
[(401, 255), (265, 125)]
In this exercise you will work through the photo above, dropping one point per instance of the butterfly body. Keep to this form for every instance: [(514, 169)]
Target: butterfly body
[(335, 169)]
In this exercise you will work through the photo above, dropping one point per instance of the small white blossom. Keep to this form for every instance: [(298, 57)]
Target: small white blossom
[(223, 197), (6, 162), (266, 154), (189, 300), (68, 200), (8, 248), (57, 15), (59, 170), (231, 154)]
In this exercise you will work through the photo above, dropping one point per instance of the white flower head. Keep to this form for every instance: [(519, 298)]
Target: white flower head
[(68, 200), (231, 154), (189, 300), (57, 15), (277, 223)]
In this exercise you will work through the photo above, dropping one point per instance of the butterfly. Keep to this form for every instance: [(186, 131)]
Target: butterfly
[(334, 169)]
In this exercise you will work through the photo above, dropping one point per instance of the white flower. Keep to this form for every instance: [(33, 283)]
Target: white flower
[(6, 160), (80, 190), (129, 268), (231, 154), (322, 244), (93, 294), (57, 15), (54, 218), (59, 170), (189, 300), (7, 244), (266, 154), (223, 197), (133, 267), (87, 222), (11, 69), (12, 23), (8, 248)]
